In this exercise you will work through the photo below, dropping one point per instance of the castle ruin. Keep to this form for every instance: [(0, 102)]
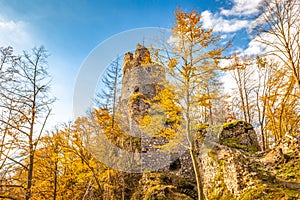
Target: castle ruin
[(141, 81)]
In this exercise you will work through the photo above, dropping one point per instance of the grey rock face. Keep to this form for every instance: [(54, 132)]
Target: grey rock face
[(241, 135)]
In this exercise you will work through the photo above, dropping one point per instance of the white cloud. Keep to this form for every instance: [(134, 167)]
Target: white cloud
[(220, 21), (15, 34), (242, 8), (172, 40), (228, 82), (254, 48), (20, 36), (220, 24)]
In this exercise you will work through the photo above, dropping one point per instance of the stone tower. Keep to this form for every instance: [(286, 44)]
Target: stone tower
[(141, 78), (141, 81)]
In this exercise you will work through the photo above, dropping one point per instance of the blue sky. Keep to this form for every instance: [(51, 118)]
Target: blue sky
[(71, 29)]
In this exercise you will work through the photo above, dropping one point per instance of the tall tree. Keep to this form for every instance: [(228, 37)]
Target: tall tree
[(7, 59), (242, 73), (192, 62), (108, 96), (278, 28), (282, 105), (25, 97), (262, 88)]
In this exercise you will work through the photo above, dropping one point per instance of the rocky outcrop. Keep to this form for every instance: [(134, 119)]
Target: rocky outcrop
[(225, 172), (286, 148), (231, 171), (163, 186), (225, 168), (240, 135)]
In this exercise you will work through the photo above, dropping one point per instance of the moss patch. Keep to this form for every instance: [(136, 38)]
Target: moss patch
[(213, 154), (290, 171), (234, 123), (233, 143), (265, 192), (219, 191), (202, 126), (160, 186)]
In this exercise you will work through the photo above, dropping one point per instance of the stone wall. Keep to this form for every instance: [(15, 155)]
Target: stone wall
[(225, 170)]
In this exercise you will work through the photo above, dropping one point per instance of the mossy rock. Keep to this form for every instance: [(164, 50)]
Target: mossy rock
[(213, 153), (269, 192), (219, 190), (240, 135), (290, 170), (234, 123), (235, 143), (161, 186)]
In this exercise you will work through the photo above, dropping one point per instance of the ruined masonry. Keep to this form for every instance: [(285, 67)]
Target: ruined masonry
[(223, 161), (141, 80)]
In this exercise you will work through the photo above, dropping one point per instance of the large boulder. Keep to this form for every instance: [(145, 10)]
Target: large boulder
[(240, 135)]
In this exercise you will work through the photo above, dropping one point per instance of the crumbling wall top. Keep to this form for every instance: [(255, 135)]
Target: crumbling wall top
[(141, 57)]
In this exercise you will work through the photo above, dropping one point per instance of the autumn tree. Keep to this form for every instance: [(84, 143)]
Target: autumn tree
[(282, 105), (242, 71), (278, 28), (191, 61), (261, 90), (25, 104), (7, 59), (266, 97), (48, 166), (61, 168), (94, 140)]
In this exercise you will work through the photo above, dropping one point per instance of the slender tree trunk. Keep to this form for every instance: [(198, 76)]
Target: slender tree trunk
[(263, 137), (115, 94), (239, 81), (192, 147), (30, 172), (261, 121), (123, 186), (55, 181), (197, 174), (31, 145)]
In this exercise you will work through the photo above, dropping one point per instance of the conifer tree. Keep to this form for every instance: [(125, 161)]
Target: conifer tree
[(107, 98)]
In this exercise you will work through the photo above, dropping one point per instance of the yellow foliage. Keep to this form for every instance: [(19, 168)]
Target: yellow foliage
[(172, 62)]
